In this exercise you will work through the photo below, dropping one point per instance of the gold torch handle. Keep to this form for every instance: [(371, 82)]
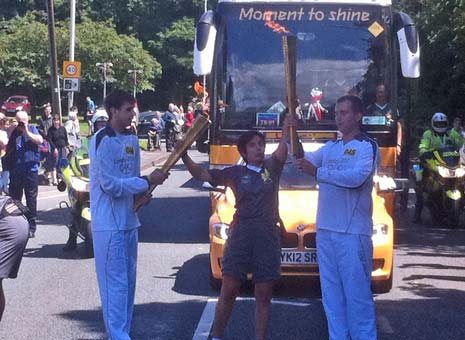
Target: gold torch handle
[(201, 123), (290, 67)]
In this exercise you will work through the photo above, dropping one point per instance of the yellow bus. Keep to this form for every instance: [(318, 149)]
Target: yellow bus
[(342, 47)]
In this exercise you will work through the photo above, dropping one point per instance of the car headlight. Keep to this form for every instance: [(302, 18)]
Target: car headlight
[(380, 229), (221, 230), (3, 107), (460, 172)]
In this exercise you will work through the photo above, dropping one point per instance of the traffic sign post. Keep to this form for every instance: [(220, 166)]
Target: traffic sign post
[(71, 69), (71, 84), (71, 76)]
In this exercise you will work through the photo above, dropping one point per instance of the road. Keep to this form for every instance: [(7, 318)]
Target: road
[(55, 295)]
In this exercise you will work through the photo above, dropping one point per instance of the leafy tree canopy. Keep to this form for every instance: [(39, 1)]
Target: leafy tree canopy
[(24, 60)]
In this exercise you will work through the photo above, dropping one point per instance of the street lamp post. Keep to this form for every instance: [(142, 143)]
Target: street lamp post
[(104, 67), (134, 78)]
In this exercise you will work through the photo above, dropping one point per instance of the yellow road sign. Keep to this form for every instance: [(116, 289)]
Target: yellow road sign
[(71, 69)]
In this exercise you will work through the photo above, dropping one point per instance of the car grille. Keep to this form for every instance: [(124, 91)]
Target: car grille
[(310, 241), (289, 240)]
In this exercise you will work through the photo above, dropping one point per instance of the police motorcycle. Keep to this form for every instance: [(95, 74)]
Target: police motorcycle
[(443, 185), (75, 179)]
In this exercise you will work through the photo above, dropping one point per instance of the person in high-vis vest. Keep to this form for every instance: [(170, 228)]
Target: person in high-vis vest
[(344, 170), (438, 137), (115, 183)]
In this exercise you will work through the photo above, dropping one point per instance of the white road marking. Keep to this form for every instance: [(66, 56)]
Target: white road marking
[(383, 325), (206, 320), (44, 197), (291, 303)]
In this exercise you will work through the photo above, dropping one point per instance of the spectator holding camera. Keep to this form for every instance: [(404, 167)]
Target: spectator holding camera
[(22, 160)]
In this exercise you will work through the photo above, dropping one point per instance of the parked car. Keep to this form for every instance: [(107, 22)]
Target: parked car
[(298, 197), (16, 103), (144, 123)]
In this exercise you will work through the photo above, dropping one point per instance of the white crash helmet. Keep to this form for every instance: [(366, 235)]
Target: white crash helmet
[(99, 117), (439, 122)]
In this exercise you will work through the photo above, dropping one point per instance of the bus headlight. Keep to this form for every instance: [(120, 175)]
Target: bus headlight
[(380, 229), (221, 230)]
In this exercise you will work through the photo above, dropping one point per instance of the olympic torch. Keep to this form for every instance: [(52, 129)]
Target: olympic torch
[(201, 123), (290, 66)]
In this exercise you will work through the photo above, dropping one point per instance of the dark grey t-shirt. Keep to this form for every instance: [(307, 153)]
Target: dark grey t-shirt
[(256, 193)]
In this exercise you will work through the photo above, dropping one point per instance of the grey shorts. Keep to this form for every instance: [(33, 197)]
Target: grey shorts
[(253, 249), (14, 233)]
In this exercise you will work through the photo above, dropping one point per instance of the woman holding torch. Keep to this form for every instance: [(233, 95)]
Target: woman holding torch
[(254, 240)]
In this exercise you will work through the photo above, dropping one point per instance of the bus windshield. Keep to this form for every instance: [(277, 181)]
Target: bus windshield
[(341, 49)]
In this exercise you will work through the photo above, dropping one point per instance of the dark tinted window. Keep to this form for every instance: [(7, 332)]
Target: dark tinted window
[(336, 56)]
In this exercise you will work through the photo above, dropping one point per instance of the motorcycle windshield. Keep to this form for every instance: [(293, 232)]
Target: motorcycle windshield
[(82, 161), (450, 156)]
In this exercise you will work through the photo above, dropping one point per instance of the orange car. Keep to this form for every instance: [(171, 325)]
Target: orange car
[(298, 197)]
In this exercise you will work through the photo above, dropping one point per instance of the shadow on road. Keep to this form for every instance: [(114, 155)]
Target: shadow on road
[(422, 319), (53, 217), (196, 269), (175, 220), (177, 320)]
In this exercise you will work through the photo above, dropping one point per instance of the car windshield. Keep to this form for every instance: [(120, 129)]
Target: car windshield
[(17, 100), (340, 49)]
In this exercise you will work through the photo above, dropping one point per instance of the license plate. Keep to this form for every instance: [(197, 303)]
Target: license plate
[(298, 257)]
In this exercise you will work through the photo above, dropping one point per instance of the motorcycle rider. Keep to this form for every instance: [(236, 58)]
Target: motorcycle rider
[(99, 121), (437, 137)]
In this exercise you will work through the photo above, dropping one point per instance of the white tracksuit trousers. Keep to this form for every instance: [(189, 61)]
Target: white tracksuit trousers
[(345, 262), (116, 265)]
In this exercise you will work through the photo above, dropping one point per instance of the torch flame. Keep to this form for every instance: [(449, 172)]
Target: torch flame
[(277, 28)]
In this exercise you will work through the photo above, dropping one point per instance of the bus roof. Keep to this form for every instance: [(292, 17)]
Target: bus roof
[(348, 2)]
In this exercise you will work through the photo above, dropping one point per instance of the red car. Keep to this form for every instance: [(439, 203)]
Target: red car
[(16, 103)]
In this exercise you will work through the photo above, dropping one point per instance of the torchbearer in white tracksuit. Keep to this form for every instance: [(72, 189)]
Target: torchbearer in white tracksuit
[(115, 181), (344, 170)]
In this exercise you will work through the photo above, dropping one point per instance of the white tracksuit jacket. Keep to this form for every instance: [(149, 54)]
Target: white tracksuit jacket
[(114, 180)]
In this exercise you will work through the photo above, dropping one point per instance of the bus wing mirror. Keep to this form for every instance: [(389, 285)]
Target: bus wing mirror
[(409, 46), (204, 46)]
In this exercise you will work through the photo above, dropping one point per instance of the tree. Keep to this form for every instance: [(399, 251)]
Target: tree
[(24, 61), (441, 24), (174, 48)]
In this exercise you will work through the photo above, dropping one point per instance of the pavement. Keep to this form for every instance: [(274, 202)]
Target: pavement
[(150, 159)]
